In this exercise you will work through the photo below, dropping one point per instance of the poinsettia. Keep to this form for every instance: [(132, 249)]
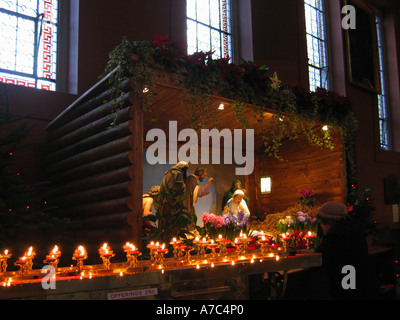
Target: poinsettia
[(168, 52)]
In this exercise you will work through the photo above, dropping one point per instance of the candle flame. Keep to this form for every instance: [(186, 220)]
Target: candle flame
[(81, 250), (6, 251)]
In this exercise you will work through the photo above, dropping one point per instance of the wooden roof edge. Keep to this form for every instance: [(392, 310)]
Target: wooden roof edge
[(84, 97)]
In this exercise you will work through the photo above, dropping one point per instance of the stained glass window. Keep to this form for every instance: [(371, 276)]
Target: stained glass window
[(209, 27), (382, 103), (28, 43), (316, 44)]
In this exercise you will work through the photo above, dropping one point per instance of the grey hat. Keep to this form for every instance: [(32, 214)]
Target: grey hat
[(332, 210)]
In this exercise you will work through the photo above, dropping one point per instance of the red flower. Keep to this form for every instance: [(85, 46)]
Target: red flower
[(168, 51), (160, 40)]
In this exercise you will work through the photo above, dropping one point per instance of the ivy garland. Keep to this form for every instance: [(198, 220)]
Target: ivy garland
[(295, 109)]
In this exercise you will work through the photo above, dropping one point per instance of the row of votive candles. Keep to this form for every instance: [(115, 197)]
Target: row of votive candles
[(157, 250)]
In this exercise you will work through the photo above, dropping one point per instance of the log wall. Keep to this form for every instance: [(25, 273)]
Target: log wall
[(304, 167), (91, 167)]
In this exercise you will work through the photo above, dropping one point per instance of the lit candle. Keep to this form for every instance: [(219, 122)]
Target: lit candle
[(162, 249), (175, 242), (6, 254), (30, 254), (310, 235), (80, 253), (106, 251), (56, 252), (212, 244), (127, 247), (133, 250), (22, 260)]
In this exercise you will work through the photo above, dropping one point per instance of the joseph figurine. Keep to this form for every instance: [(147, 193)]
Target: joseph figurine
[(193, 190)]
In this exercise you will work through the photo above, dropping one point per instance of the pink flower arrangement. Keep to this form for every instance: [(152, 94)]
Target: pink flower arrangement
[(307, 197), (210, 218), (306, 193)]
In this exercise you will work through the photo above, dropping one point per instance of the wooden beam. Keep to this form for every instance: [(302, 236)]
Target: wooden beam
[(135, 215)]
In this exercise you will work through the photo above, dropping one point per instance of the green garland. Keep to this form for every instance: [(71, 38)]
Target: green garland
[(295, 109)]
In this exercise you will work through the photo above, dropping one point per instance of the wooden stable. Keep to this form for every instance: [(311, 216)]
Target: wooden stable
[(97, 173)]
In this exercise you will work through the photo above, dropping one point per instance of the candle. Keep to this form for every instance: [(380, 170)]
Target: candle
[(30, 254), (263, 239), (175, 242), (132, 255), (221, 239), (203, 241), (22, 260), (133, 250), (162, 249), (6, 254), (105, 250), (309, 236), (127, 246), (56, 252), (212, 244), (80, 253)]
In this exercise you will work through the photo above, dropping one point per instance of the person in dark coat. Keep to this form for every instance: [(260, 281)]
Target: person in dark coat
[(345, 258)]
